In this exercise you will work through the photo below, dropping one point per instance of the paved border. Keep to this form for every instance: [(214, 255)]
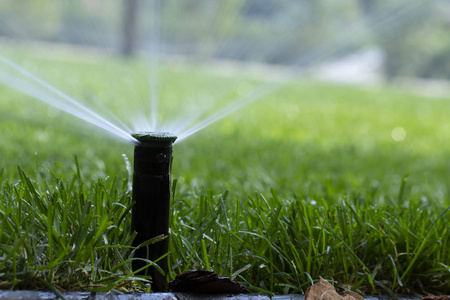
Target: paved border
[(35, 295)]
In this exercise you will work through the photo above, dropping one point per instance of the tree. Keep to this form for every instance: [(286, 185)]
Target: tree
[(367, 6), (130, 32), (405, 30)]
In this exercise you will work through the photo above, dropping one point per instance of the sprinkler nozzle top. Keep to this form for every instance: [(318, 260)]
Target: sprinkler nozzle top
[(154, 138)]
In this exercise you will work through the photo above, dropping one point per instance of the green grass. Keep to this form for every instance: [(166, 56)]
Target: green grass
[(307, 182)]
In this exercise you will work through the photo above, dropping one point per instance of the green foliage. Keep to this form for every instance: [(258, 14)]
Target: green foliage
[(55, 234), (438, 66), (411, 33), (281, 245), (414, 40)]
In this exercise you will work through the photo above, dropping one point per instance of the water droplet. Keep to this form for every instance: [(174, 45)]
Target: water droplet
[(42, 136), (130, 172), (398, 134)]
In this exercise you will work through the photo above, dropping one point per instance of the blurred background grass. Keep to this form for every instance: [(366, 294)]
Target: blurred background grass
[(307, 134)]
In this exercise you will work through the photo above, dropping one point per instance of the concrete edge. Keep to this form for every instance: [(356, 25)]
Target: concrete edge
[(36, 295)]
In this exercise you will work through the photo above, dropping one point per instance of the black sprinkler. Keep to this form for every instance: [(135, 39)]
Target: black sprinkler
[(151, 197)]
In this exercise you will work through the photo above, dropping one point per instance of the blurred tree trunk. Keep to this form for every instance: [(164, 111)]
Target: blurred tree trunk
[(367, 6), (130, 36)]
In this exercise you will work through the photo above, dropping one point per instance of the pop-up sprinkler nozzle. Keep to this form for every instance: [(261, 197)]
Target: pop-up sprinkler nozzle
[(151, 197)]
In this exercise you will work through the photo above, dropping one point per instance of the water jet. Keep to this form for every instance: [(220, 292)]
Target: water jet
[(151, 198)]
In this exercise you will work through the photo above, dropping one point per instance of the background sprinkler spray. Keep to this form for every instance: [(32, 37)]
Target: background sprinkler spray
[(151, 197)]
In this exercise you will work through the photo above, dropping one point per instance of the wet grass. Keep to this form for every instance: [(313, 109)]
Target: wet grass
[(310, 181), (57, 236), (282, 245)]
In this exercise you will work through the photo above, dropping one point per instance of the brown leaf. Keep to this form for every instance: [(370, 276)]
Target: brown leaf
[(330, 295), (443, 297), (350, 295), (322, 286), (205, 282), (323, 290), (5, 285)]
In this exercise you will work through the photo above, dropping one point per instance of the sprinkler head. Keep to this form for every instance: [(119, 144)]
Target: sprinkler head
[(151, 197), (154, 139)]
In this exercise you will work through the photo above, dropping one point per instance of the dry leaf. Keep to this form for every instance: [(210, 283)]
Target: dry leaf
[(315, 291), (443, 297), (323, 290), (330, 295), (350, 295)]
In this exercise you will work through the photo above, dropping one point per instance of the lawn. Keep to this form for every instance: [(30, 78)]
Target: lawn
[(315, 179)]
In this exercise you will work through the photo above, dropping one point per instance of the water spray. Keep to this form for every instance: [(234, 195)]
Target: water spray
[(151, 197)]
